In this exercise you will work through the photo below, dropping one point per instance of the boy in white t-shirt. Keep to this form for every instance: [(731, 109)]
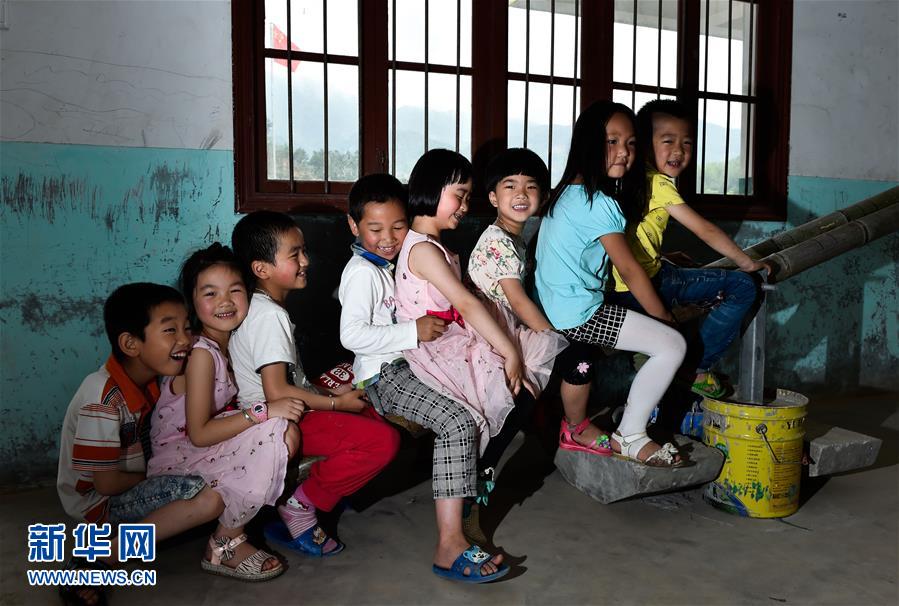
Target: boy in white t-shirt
[(263, 353), (368, 327)]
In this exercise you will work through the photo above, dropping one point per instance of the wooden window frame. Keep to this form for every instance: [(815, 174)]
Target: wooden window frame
[(489, 80)]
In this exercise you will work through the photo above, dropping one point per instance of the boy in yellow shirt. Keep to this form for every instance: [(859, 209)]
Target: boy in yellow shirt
[(664, 130)]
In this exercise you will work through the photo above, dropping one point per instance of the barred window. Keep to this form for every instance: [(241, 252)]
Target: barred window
[(328, 90)]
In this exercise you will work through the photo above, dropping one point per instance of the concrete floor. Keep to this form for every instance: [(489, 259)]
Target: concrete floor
[(839, 548)]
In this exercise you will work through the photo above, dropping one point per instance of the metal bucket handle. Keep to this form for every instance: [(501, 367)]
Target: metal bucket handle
[(762, 430)]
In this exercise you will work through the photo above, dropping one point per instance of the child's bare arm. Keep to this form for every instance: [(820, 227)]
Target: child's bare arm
[(114, 481), (522, 306), (712, 235), (634, 276), (204, 430), (427, 261), (276, 387)]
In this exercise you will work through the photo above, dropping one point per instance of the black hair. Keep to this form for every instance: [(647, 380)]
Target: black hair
[(379, 187), (517, 161), (667, 107), (256, 237), (587, 158), (436, 169), (197, 263), (129, 308)]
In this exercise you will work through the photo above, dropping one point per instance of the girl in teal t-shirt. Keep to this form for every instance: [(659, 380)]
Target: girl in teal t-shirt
[(581, 233)]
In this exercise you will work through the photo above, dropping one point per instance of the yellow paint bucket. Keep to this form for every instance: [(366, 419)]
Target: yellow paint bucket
[(762, 446)]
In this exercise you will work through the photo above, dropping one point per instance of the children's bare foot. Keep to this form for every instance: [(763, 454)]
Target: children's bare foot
[(241, 553), (450, 549), (585, 437), (589, 435)]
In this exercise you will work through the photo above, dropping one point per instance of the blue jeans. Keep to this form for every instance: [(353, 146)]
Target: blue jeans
[(728, 294), (140, 501)]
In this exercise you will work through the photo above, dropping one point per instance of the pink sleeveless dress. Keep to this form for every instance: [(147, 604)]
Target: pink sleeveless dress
[(247, 470), (460, 363)]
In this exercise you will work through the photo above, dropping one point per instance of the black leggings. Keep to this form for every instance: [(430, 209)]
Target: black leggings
[(517, 418)]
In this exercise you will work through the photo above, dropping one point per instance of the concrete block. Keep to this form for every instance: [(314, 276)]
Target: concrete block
[(842, 450), (610, 479)]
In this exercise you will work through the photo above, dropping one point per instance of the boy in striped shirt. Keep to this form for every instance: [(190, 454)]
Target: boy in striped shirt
[(105, 438)]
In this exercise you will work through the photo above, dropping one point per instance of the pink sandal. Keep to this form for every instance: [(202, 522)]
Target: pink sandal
[(600, 446)]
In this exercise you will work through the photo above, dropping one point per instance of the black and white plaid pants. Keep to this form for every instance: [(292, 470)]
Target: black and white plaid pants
[(399, 392)]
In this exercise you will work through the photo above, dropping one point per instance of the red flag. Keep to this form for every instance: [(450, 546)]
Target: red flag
[(279, 41)]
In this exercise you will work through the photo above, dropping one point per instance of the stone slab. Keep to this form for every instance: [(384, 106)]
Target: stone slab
[(610, 479), (841, 450)]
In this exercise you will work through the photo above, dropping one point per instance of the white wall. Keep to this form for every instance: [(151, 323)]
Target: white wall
[(129, 73), (845, 89)]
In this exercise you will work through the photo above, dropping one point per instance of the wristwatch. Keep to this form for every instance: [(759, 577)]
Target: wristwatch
[(260, 411)]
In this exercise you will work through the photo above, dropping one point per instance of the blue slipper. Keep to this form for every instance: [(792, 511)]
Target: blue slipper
[(472, 558), (309, 543)]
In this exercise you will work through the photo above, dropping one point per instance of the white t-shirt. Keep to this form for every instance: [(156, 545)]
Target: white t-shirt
[(368, 325), (265, 337)]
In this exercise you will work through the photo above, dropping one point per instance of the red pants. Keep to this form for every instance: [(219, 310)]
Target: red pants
[(357, 447)]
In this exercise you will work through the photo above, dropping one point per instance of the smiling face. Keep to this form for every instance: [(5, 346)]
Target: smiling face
[(672, 145), (516, 198), (382, 228), (167, 340), (220, 300), (621, 146), (453, 205), (288, 272)]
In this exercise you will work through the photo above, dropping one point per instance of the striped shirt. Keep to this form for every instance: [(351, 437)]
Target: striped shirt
[(101, 432)]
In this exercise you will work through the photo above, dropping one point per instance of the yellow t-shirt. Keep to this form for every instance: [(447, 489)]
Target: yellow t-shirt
[(645, 239)]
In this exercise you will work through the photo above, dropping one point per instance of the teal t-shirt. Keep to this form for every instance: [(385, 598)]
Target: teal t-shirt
[(572, 264)]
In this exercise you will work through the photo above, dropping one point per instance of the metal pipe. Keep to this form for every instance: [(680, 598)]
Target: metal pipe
[(817, 227)]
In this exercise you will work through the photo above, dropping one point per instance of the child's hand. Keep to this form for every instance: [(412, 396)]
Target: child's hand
[(429, 328), (352, 401), (289, 408), (752, 266), (514, 374)]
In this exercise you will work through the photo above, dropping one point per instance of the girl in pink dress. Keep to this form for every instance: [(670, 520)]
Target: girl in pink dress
[(242, 455), (475, 361)]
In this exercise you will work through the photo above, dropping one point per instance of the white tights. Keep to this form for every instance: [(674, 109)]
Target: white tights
[(665, 348)]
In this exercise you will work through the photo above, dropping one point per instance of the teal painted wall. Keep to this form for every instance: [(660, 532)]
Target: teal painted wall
[(78, 221)]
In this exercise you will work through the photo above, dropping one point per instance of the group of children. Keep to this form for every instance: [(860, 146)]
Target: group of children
[(466, 359)]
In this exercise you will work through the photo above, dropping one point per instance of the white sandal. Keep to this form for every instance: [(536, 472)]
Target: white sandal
[(248, 570), (632, 444)]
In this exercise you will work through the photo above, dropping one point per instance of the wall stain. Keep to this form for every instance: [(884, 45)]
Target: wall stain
[(26, 195), (42, 312), (168, 184)]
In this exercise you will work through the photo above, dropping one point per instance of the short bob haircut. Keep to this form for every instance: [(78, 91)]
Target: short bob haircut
[(517, 161), (656, 107), (376, 188), (197, 263), (435, 170), (129, 309)]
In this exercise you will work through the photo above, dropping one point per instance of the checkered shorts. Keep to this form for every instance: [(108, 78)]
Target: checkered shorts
[(601, 329), (399, 392)]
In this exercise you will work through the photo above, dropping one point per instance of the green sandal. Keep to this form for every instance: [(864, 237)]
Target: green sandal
[(710, 387)]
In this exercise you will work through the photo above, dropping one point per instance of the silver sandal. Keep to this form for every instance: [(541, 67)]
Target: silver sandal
[(248, 570)]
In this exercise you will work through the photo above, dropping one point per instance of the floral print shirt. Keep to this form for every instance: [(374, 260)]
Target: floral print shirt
[(497, 255)]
